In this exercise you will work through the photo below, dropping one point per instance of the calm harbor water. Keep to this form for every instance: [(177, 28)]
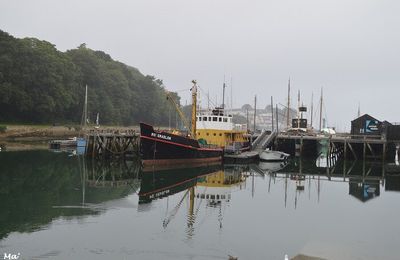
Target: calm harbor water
[(58, 206)]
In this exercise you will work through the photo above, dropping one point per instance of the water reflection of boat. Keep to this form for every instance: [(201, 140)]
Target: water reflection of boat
[(216, 188), (164, 183), (272, 166), (72, 151)]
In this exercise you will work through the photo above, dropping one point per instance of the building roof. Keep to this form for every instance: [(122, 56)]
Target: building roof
[(363, 117)]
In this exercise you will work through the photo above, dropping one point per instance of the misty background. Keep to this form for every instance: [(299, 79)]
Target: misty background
[(350, 48)]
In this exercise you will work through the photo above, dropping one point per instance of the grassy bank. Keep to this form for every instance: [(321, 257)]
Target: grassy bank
[(28, 132)]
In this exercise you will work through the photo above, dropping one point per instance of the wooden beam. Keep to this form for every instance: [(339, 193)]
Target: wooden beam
[(370, 148), (352, 150)]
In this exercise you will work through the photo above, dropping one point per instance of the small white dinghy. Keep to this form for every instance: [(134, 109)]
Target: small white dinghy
[(273, 156)]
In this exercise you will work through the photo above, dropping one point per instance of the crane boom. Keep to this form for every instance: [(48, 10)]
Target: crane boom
[(178, 109)]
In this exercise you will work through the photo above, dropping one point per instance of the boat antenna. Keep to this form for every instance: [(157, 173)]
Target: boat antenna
[(208, 99), (223, 94), (231, 96)]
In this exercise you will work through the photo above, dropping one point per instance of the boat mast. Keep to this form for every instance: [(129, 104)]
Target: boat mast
[(194, 104), (320, 111), (298, 109), (85, 109), (255, 112), (272, 114), (277, 120), (288, 107), (312, 109)]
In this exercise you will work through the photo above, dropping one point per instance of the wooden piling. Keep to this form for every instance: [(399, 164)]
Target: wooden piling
[(112, 145)]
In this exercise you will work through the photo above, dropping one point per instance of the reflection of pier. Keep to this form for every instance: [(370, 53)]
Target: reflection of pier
[(98, 173), (365, 178)]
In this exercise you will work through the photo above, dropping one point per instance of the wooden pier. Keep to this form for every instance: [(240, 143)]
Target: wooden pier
[(112, 144), (349, 146)]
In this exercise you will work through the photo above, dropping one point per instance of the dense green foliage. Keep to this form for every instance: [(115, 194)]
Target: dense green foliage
[(40, 84)]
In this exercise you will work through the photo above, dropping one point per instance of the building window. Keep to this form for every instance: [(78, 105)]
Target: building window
[(199, 118), (220, 134), (209, 118), (215, 119), (220, 119), (225, 119), (215, 134), (204, 118), (208, 134)]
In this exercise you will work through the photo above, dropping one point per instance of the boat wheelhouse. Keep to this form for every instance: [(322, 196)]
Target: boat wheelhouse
[(217, 128)]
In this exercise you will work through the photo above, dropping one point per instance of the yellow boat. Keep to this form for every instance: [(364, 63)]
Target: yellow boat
[(216, 128)]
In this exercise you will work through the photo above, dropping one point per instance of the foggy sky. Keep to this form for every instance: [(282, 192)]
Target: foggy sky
[(351, 48)]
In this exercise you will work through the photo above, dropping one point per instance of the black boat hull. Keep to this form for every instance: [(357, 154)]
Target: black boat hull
[(166, 150)]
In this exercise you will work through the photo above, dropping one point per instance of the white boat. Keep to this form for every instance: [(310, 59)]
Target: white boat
[(269, 155)]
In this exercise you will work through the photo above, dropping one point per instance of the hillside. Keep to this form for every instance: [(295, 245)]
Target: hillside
[(40, 84)]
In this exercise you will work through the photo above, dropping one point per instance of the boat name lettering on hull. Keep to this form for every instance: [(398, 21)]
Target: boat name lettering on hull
[(161, 136), (159, 194)]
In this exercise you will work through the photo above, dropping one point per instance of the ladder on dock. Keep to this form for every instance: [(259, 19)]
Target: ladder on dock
[(264, 140)]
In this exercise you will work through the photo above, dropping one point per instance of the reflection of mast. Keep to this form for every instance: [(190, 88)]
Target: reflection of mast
[(82, 173), (286, 189), (191, 216), (83, 181), (174, 211), (252, 184), (318, 187), (191, 207)]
